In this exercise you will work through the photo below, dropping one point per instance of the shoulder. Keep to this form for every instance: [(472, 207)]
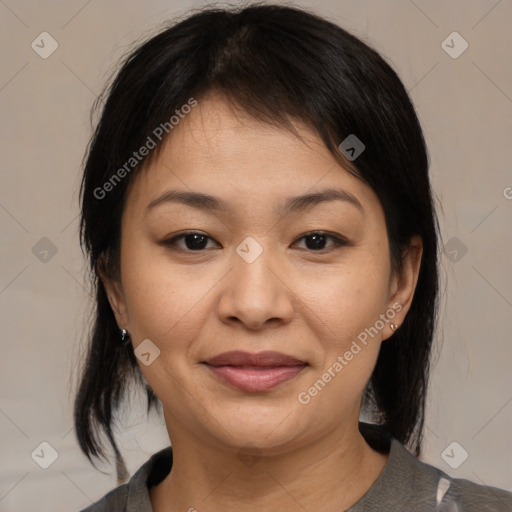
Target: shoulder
[(407, 483), (114, 501), (475, 497), (133, 496), (440, 491)]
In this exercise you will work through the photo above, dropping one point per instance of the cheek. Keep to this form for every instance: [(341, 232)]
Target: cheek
[(358, 300), (165, 302), (348, 299), (152, 293), (344, 321)]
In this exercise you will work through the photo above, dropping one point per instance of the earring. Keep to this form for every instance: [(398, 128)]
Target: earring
[(125, 337), (393, 327)]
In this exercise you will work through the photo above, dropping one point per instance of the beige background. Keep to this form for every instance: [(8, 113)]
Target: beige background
[(465, 106)]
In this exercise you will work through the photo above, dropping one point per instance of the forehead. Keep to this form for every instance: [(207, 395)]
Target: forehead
[(222, 151), (220, 133)]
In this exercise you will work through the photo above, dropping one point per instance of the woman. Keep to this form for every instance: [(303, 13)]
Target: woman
[(259, 221)]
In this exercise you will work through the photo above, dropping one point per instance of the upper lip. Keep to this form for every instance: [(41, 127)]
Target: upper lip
[(267, 358)]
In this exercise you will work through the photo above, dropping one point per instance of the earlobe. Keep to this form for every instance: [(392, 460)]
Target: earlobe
[(115, 295), (405, 283), (411, 269)]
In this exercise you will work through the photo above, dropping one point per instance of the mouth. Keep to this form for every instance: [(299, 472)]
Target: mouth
[(254, 372)]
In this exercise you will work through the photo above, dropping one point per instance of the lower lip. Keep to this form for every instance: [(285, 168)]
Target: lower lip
[(253, 379)]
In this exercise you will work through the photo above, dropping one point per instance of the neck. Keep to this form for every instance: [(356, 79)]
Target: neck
[(330, 474)]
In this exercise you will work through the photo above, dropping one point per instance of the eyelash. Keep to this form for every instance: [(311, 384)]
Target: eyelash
[(338, 241)]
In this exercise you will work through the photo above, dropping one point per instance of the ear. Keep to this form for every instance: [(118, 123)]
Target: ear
[(114, 292), (403, 284)]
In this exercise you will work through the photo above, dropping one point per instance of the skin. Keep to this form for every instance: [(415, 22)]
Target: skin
[(307, 303)]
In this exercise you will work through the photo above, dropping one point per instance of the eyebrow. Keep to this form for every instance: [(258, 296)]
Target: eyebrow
[(294, 204)]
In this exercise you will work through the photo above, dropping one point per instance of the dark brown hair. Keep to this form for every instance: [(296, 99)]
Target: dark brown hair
[(276, 63)]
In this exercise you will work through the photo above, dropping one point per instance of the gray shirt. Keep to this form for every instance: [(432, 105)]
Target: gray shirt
[(405, 485)]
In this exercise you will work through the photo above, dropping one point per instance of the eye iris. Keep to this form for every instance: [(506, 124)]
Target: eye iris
[(199, 241), (318, 241)]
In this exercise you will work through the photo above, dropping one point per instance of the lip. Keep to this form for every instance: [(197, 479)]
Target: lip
[(241, 358), (254, 372)]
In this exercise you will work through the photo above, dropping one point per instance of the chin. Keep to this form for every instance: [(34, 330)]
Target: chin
[(263, 427)]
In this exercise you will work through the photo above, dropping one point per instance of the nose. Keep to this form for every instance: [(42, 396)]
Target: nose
[(256, 292)]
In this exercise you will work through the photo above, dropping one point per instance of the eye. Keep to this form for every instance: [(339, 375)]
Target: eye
[(197, 242), (193, 241), (317, 240)]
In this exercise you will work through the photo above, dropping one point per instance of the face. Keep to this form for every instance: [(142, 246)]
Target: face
[(262, 272)]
